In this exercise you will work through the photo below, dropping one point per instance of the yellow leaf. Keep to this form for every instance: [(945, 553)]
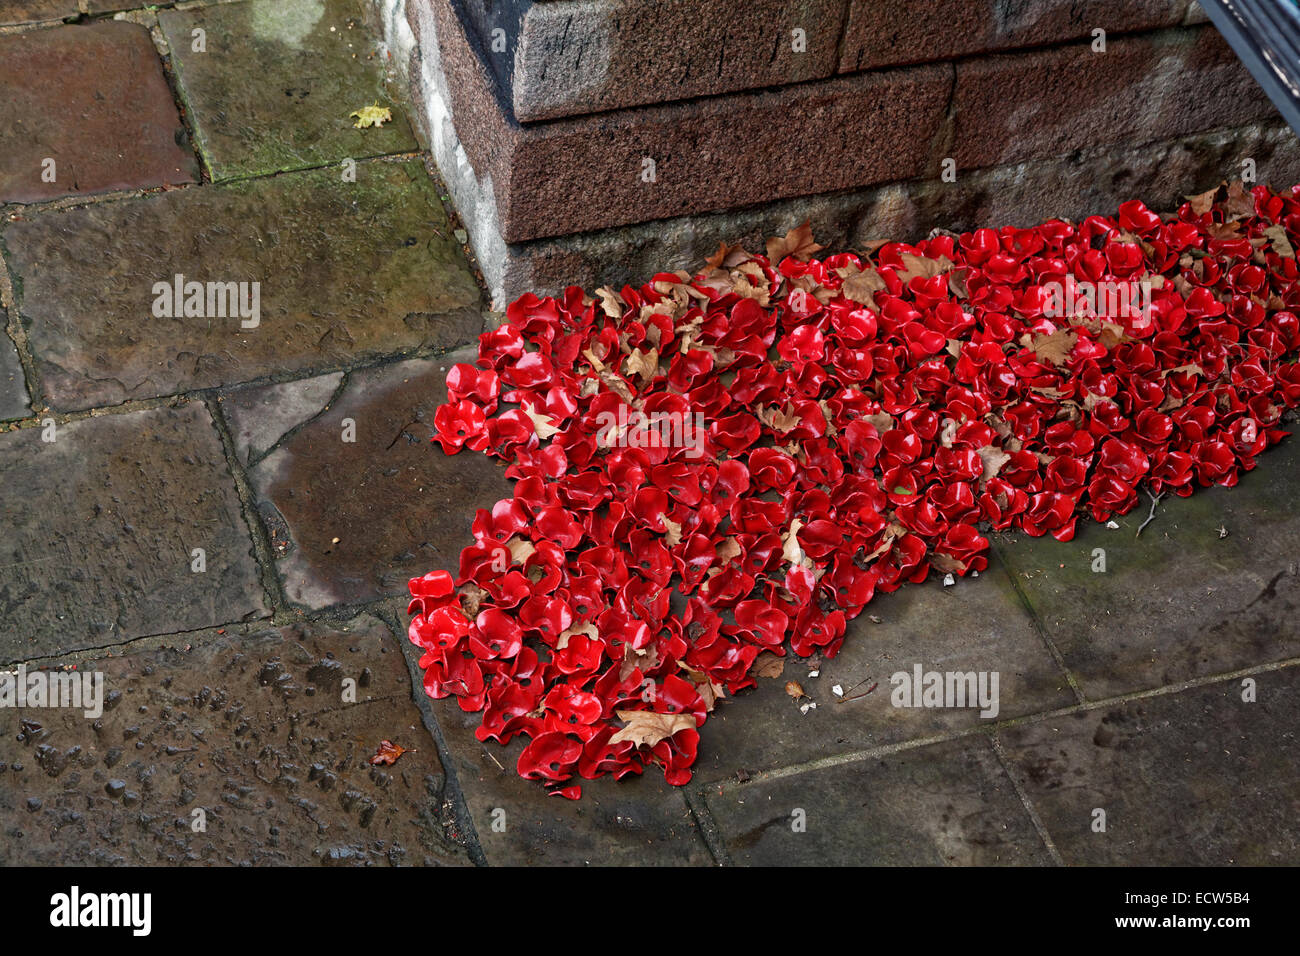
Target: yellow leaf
[(371, 116)]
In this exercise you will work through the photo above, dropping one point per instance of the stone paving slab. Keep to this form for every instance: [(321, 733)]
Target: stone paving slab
[(638, 821), (346, 271), (100, 525), (1185, 779), (34, 11), (13, 387), (262, 416), (1180, 602), (251, 730), (946, 804), (977, 625), (353, 521), (93, 100), (275, 82)]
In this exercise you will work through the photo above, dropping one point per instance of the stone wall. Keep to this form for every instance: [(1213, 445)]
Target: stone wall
[(598, 141)]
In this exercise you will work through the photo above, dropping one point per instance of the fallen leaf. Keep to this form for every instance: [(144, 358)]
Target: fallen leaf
[(946, 563), (610, 302), (521, 549), (727, 257), (1201, 203), (645, 728), (727, 549), (994, 458), (798, 242), (710, 691), (920, 266), (767, 664), (794, 689), (673, 535), (779, 421), (371, 116), (541, 423), (1277, 237), (1239, 204), (387, 754), (1054, 348), (587, 628), (642, 364), (791, 551), (861, 287)]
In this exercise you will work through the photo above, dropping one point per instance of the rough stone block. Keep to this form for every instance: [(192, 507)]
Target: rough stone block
[(93, 100)]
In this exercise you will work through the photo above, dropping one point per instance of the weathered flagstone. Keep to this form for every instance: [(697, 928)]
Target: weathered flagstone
[(13, 387), (275, 82), (100, 526), (979, 625), (34, 11), (262, 416), (1180, 601), (354, 520), (945, 804), (1194, 778), (86, 109), (346, 272), (638, 821), (253, 731)]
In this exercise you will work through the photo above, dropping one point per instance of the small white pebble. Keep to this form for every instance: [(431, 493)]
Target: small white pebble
[(949, 580), (1112, 525), (974, 574), (803, 708), (837, 690), (814, 673)]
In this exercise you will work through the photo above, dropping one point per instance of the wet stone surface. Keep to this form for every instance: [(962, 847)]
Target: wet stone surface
[(352, 521), (1181, 601), (93, 100), (13, 387), (978, 625), (638, 821), (34, 11), (274, 85), (100, 527), (1198, 778), (261, 417), (945, 804), (345, 271), (253, 732)]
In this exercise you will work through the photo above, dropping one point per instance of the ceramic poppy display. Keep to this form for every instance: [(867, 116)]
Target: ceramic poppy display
[(716, 465)]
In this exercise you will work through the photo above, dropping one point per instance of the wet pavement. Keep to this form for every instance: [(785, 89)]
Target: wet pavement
[(219, 513)]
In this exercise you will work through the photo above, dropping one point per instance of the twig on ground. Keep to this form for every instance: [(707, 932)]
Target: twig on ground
[(1155, 500)]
